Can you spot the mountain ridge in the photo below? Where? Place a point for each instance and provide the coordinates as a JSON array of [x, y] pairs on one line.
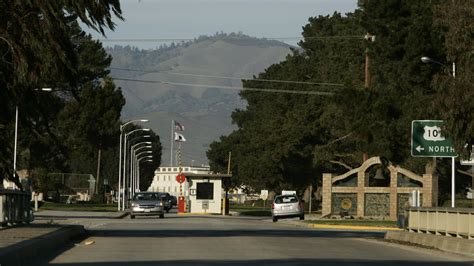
[[221, 60]]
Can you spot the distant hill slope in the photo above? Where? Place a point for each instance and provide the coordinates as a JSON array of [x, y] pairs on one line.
[[204, 111]]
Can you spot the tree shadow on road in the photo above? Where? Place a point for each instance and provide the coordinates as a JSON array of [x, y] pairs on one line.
[[319, 262]]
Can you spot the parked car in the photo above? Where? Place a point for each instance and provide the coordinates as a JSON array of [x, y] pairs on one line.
[[286, 206], [167, 200], [174, 201], [147, 204]]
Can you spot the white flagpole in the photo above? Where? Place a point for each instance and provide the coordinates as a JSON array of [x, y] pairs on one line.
[[172, 140]]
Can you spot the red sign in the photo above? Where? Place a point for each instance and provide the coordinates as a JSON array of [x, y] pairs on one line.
[[181, 178]]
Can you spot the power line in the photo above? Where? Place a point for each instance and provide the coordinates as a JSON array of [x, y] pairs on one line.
[[322, 93], [224, 38], [233, 78]]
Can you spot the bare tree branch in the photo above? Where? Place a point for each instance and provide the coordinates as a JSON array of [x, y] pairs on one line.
[[341, 164], [465, 173]]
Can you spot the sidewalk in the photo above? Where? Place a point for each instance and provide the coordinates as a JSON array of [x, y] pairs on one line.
[[20, 244]]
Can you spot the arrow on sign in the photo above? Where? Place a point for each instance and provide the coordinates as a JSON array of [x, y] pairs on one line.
[[419, 148]]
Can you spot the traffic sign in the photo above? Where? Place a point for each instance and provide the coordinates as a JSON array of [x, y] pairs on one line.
[[471, 159], [180, 178], [427, 140], [264, 194]]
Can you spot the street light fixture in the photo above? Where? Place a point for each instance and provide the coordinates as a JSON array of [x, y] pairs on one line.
[[125, 158], [125, 187], [15, 145], [122, 128], [135, 148], [428, 60], [138, 169], [133, 159]]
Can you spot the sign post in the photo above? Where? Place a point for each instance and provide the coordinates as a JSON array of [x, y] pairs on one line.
[[471, 163], [264, 196], [181, 178], [427, 140]]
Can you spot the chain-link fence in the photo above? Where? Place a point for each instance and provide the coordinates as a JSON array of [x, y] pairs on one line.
[[77, 187]]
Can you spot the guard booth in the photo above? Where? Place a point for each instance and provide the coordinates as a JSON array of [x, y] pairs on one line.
[[205, 192]]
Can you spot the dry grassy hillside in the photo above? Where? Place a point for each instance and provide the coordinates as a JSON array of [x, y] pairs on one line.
[[205, 111]]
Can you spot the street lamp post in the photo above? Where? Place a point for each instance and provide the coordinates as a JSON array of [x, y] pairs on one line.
[[125, 160], [428, 60], [132, 167], [15, 145], [122, 128], [148, 143], [137, 187], [138, 168]]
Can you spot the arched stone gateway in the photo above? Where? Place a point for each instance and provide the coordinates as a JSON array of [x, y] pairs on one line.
[[354, 194]]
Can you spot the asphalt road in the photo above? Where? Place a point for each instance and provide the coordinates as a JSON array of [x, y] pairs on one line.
[[214, 240]]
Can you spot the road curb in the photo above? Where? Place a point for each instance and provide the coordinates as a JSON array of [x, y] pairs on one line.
[[455, 245], [195, 214], [26, 251], [123, 215], [354, 227], [341, 227]]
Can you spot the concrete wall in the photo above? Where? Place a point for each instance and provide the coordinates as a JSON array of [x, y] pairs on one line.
[[429, 189], [449, 244]]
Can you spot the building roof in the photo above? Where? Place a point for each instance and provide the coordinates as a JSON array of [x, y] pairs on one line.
[[208, 175]]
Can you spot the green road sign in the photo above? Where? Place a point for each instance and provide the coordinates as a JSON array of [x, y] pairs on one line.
[[428, 141]]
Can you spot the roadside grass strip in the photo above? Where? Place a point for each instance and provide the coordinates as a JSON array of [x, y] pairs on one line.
[[78, 207], [353, 224]]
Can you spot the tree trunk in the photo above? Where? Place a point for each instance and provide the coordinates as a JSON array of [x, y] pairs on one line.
[[98, 173]]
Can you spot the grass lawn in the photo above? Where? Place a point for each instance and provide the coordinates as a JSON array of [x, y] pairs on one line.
[[356, 222], [78, 207], [254, 212], [251, 211], [460, 203]]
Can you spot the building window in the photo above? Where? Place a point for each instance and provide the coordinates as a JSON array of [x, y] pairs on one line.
[[175, 169], [186, 169], [205, 191]]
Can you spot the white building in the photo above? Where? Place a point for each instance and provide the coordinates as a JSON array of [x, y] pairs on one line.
[[165, 179], [202, 190]]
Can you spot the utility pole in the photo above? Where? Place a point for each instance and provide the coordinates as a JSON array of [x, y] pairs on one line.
[[371, 38], [472, 185], [310, 196], [228, 163], [98, 171], [224, 206]]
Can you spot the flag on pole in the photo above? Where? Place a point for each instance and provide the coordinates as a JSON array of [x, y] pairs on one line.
[[178, 126], [179, 137]]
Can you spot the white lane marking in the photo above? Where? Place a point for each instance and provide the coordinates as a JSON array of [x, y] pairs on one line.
[[97, 225]]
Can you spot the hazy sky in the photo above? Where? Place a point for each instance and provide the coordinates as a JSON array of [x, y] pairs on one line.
[[155, 19]]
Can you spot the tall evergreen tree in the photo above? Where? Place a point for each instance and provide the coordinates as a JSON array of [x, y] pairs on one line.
[[39, 43], [455, 95], [281, 136]]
